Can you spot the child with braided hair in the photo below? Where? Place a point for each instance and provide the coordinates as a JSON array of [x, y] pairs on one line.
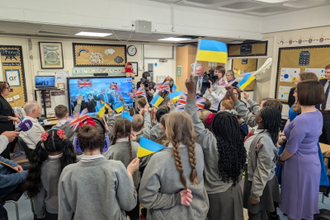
[[224, 156], [51, 155], [124, 149], [172, 186]]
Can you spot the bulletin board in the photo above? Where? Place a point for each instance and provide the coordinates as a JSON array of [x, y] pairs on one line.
[[12, 71], [91, 55], [246, 66], [257, 49], [293, 60]]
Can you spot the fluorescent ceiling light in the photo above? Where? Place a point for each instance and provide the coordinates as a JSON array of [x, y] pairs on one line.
[[272, 1], [175, 39], [93, 34]]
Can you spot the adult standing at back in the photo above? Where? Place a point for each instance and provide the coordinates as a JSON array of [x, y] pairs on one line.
[[301, 168], [230, 76], [200, 90], [325, 107], [216, 93], [7, 116]]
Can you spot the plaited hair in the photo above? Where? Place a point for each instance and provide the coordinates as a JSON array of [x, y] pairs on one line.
[[53, 143], [231, 151], [271, 118], [122, 129], [179, 129]]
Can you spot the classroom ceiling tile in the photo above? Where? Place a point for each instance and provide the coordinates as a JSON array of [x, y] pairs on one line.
[[241, 6]]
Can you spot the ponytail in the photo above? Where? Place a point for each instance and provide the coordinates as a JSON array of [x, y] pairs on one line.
[[68, 155], [130, 147], [32, 182]]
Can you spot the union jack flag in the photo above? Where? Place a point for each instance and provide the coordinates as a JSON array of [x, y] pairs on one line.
[[231, 83], [77, 118], [163, 87], [222, 82], [84, 83], [181, 103], [113, 86], [137, 93]]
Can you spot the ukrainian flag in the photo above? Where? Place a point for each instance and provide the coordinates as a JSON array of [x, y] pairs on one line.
[[174, 87], [101, 111], [148, 147], [157, 100], [247, 79], [126, 115], [175, 96], [212, 51], [119, 107]]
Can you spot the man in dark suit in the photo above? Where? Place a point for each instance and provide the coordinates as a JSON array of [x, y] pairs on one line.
[[200, 89], [106, 97], [325, 107]]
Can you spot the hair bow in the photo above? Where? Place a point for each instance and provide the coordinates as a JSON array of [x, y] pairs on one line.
[[88, 121], [61, 134], [210, 118], [44, 136]]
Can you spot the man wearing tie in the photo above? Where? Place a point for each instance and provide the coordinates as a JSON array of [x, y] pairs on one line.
[[325, 107], [199, 81]]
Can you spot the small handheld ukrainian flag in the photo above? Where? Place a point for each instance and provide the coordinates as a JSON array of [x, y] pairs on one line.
[[101, 111], [148, 147], [119, 107], [212, 51], [247, 79], [157, 100], [174, 87]]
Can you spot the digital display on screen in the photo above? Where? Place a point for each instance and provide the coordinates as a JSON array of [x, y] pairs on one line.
[[95, 89], [44, 81]]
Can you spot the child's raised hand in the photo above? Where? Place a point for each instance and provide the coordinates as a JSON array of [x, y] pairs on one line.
[[133, 166], [246, 96], [121, 99], [191, 84], [80, 98], [186, 197]]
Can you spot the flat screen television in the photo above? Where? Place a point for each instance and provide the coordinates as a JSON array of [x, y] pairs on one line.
[[95, 89], [44, 81]]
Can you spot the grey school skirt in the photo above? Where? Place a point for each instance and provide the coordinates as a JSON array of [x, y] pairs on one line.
[[269, 196], [226, 205]]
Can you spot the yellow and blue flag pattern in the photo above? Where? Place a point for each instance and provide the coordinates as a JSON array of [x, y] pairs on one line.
[[148, 147], [157, 100], [247, 79], [126, 115], [119, 107], [212, 51], [174, 87], [175, 96], [101, 111]]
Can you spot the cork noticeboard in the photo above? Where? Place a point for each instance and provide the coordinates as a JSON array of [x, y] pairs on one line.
[[293, 60], [91, 55], [11, 64], [246, 65]]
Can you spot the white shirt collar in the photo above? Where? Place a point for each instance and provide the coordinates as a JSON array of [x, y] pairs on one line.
[[86, 158], [55, 156]]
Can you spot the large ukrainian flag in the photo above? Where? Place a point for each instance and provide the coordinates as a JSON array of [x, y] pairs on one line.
[[212, 51]]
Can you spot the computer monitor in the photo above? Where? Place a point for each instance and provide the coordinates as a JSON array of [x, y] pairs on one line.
[[45, 81]]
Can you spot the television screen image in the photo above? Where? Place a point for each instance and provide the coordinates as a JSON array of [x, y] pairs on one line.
[[44, 81], [93, 90]]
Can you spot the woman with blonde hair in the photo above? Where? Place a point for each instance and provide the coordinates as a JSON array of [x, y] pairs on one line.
[[172, 186]]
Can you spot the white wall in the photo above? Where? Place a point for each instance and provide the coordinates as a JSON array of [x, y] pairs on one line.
[[308, 18], [120, 14], [273, 49], [31, 58]]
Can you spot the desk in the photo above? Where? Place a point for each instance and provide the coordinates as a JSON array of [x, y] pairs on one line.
[[50, 125], [324, 147]]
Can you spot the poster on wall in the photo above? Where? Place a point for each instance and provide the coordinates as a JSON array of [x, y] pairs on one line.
[[318, 71], [51, 55], [289, 74], [283, 92], [89, 55], [12, 71]]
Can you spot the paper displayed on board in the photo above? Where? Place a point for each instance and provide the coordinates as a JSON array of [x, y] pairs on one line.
[[9, 99], [283, 92], [289, 74], [61, 76], [16, 97], [318, 71]]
